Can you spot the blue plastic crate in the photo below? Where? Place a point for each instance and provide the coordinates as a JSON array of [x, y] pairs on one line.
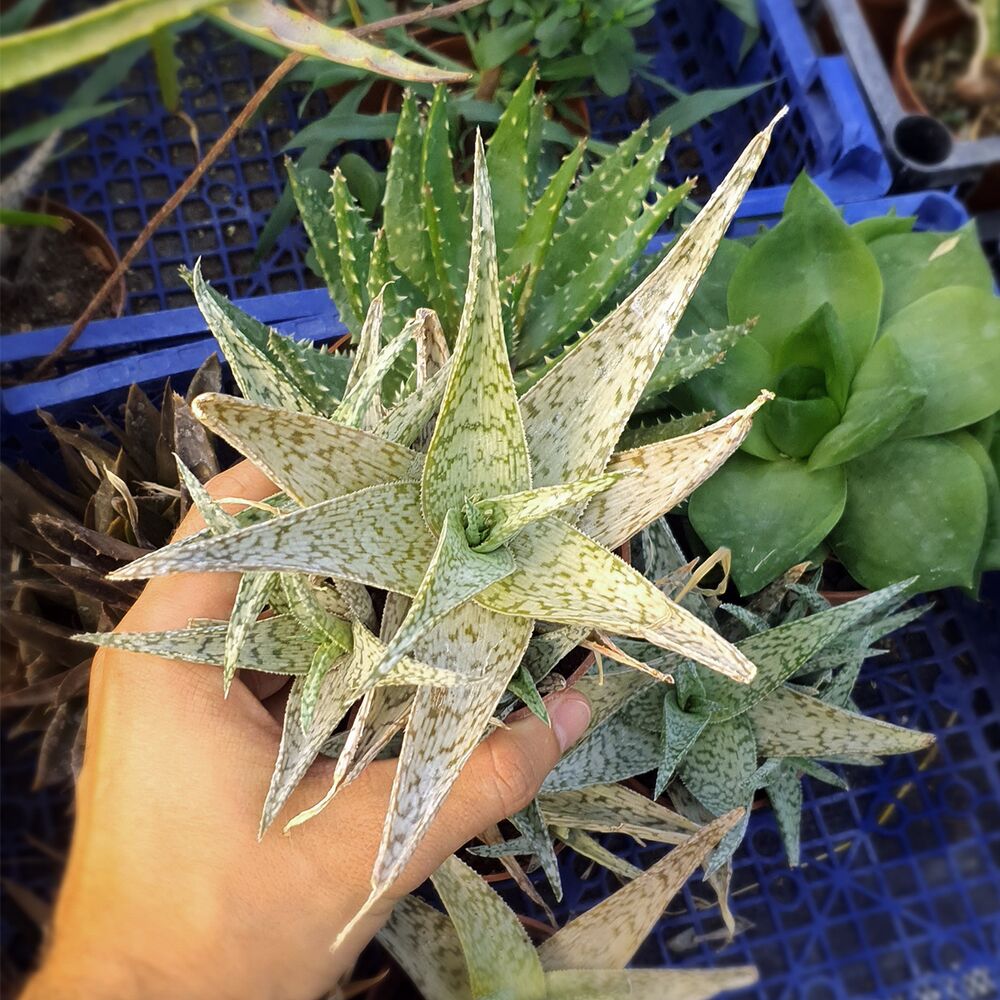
[[694, 44]]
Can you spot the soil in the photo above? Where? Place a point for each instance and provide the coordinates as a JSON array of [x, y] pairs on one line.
[[48, 279], [934, 67]]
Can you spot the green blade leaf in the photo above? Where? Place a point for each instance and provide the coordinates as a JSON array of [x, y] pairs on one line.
[[304, 454], [478, 444], [667, 472], [562, 576], [646, 984], [601, 379], [784, 791], [500, 957], [362, 405], [355, 242], [405, 423], [609, 934], [531, 824], [681, 730], [718, 769], [790, 724], [302, 33], [589, 848], [338, 538]]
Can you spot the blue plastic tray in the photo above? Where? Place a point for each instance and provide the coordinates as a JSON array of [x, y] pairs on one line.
[[134, 158]]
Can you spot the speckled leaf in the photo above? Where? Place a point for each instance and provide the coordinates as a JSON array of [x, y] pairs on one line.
[[406, 421], [609, 934], [425, 944], [345, 537], [718, 769], [274, 645], [311, 458], [680, 731], [323, 659], [478, 445], [665, 474], [445, 726], [303, 33], [781, 652], [574, 415], [354, 244], [587, 847], [784, 790], [646, 984], [653, 430], [370, 341], [319, 376], [523, 686], [251, 598], [454, 575], [614, 809], [563, 576], [362, 405], [790, 724], [507, 515], [531, 824], [501, 960], [215, 518]]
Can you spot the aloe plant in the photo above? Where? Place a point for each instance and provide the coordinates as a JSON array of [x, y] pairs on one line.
[[473, 540], [38, 52], [480, 950], [570, 243]]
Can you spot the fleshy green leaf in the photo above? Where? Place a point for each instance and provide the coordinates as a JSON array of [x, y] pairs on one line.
[[530, 823], [646, 984], [914, 508], [718, 769], [681, 730], [770, 514], [355, 241], [592, 850], [784, 790], [361, 406]]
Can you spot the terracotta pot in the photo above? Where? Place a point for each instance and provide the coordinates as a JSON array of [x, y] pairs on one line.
[[940, 19], [93, 242]]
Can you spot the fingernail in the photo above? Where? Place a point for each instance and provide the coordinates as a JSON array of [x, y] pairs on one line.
[[569, 712]]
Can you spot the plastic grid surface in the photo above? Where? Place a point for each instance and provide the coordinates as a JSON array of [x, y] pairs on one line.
[[134, 158], [898, 895], [695, 44]]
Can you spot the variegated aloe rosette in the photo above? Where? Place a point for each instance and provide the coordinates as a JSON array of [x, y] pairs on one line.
[[506, 520]]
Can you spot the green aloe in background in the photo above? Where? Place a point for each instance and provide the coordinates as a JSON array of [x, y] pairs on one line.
[[882, 346]]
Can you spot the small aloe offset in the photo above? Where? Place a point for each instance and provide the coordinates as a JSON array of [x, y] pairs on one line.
[[504, 520], [480, 951]]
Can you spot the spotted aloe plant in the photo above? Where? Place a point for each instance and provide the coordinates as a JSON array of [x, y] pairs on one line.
[[480, 950], [570, 242], [505, 519]]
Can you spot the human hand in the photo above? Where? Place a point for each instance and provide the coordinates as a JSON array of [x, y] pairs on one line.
[[167, 892]]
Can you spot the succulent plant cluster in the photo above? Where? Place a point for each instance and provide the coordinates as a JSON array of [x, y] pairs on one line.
[[507, 517]]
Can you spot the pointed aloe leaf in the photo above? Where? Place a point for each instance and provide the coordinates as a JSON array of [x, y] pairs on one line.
[[425, 944], [666, 473], [345, 537], [784, 790], [562, 576], [303, 33], [370, 341], [615, 809], [344, 682], [506, 516], [323, 659], [215, 518], [319, 376], [507, 160], [355, 240], [362, 405], [553, 318], [546, 649], [405, 423], [402, 206], [478, 445], [454, 575], [274, 645], [646, 984], [609, 934], [790, 724], [251, 598], [601, 379], [718, 769], [303, 454], [501, 960], [680, 731], [523, 686], [446, 229], [781, 652], [316, 210], [653, 430], [244, 341], [535, 235], [446, 726], [587, 847], [531, 824]]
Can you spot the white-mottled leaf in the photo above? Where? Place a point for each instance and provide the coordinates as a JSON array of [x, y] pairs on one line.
[[609, 934], [406, 421], [680, 730], [664, 474], [251, 598], [784, 790], [718, 769], [790, 724], [362, 405], [562, 576], [577, 411], [376, 537], [533, 828], [646, 984], [309, 457], [478, 447], [589, 848]]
